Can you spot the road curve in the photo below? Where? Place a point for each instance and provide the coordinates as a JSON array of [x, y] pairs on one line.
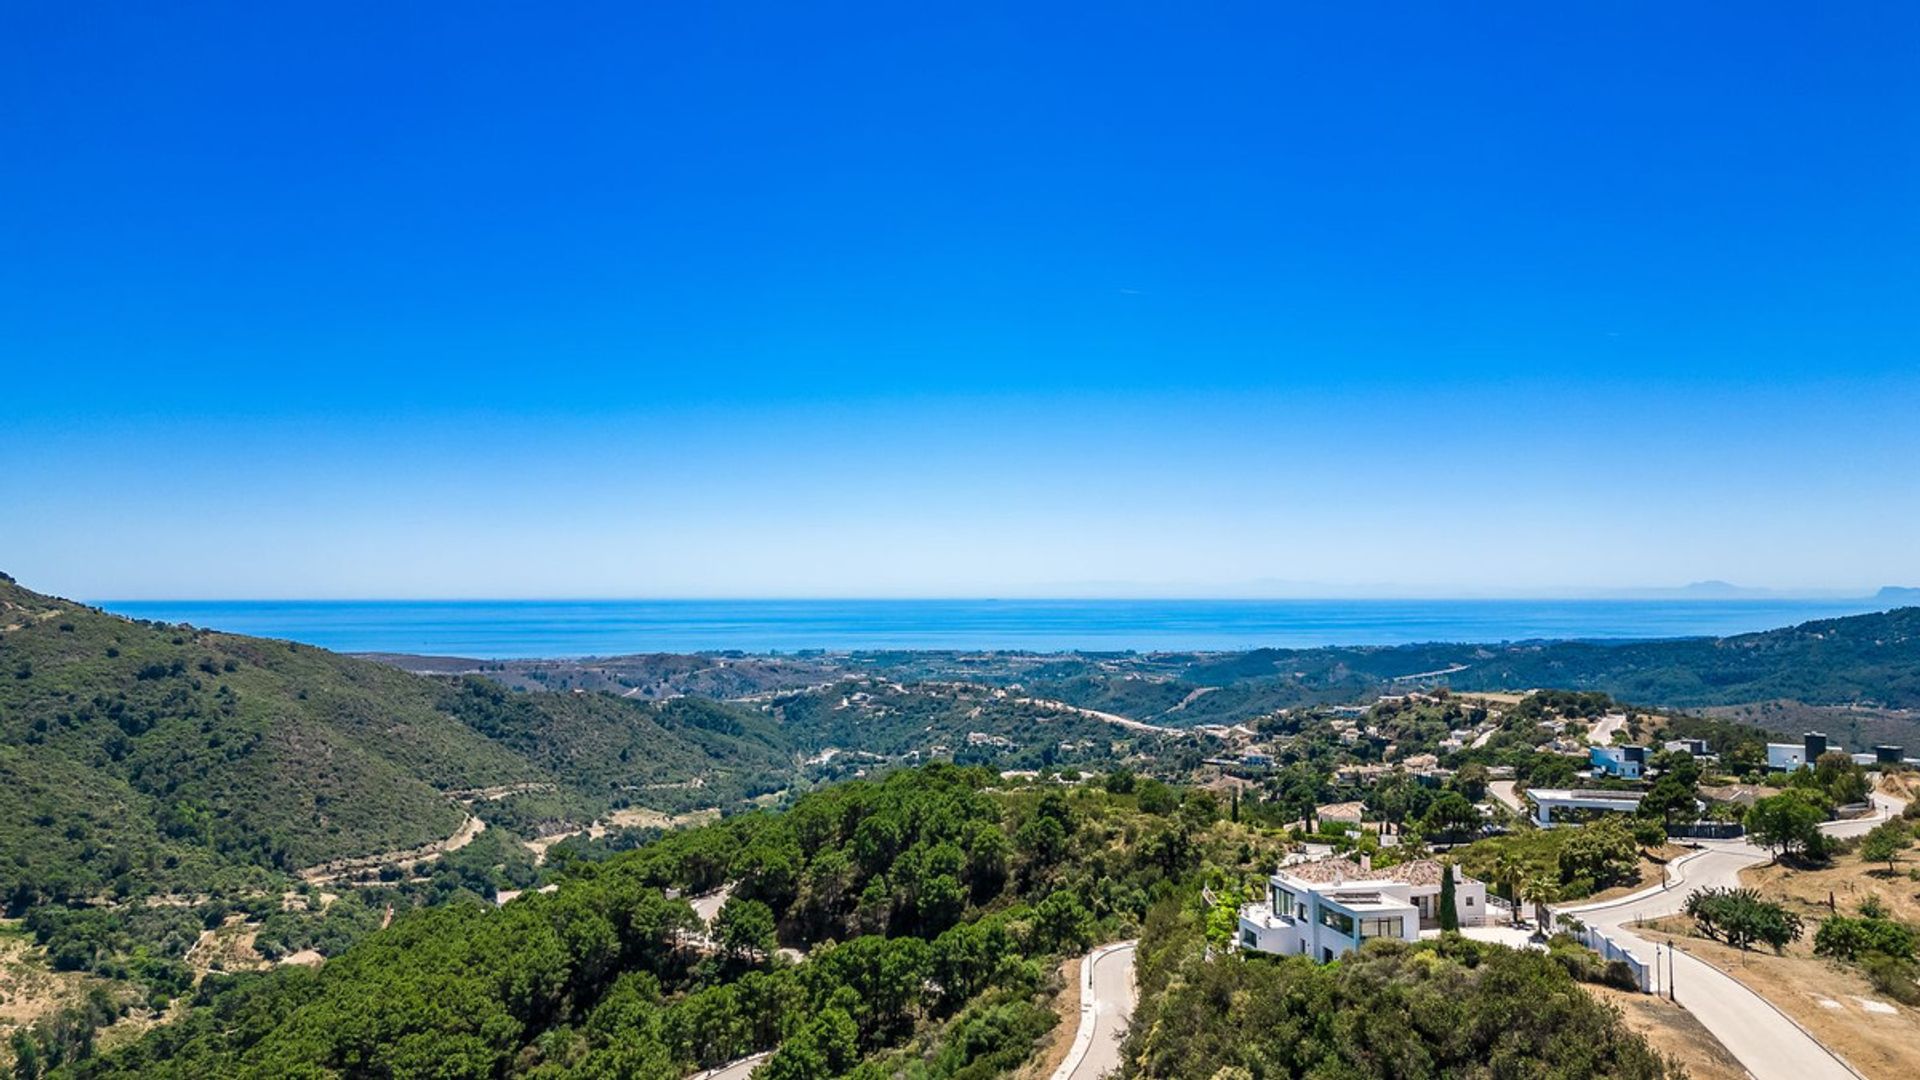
[[734, 1070], [1106, 1005], [1769, 1044]]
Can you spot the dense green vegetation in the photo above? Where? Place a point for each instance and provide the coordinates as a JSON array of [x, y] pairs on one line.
[[1391, 1010], [1740, 918], [156, 780], [929, 905], [1567, 863], [160, 782], [1861, 659], [137, 758], [872, 719]]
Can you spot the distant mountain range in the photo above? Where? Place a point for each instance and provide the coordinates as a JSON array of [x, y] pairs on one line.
[[1868, 660]]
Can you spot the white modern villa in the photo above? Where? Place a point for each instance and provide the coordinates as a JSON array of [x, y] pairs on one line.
[[1559, 806], [1324, 908]]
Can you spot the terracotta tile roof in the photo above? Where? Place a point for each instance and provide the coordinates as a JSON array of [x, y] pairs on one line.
[[1326, 871], [1416, 872]]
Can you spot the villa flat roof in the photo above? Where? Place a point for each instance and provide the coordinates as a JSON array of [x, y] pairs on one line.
[[1563, 794]]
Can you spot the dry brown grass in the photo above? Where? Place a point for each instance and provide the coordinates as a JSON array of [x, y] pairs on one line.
[[1905, 785], [30, 990], [1673, 1031], [1829, 998], [1849, 881], [1490, 697], [1825, 997]]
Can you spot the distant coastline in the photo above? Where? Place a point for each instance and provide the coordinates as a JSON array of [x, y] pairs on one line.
[[502, 629]]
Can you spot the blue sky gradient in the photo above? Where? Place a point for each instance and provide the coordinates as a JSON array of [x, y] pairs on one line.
[[863, 300]]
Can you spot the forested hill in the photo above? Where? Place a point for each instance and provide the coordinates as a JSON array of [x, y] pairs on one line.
[[1860, 659], [1869, 659], [140, 758]]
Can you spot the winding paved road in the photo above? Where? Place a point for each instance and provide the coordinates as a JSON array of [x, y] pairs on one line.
[[1769, 1045], [1765, 1040], [1106, 1005]]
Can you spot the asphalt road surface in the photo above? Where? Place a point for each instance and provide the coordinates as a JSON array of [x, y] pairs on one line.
[[1113, 1001], [1765, 1041]]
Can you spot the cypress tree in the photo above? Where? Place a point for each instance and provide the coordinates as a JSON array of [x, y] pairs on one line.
[[1449, 913]]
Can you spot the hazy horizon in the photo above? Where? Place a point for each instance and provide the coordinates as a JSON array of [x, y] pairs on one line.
[[1712, 591]]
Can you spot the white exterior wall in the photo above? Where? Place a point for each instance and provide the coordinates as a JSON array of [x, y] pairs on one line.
[[1547, 803], [1786, 756], [1469, 900], [1292, 921]]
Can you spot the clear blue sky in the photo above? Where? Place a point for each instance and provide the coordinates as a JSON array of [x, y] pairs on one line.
[[795, 299]]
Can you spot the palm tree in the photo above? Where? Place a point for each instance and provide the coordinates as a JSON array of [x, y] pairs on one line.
[[1507, 871], [1542, 889]]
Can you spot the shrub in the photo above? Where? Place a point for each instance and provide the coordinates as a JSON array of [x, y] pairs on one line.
[[1847, 938], [1894, 977], [1739, 917]]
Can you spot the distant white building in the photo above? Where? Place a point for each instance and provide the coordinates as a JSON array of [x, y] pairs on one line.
[[1786, 757], [1548, 802], [1325, 908]]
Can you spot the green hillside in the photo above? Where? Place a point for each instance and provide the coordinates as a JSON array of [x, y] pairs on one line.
[[140, 758], [926, 914]]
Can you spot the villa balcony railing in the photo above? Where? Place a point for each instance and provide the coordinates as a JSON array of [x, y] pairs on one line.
[[1263, 916]]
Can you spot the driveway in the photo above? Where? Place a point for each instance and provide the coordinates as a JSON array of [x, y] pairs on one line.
[[1503, 791]]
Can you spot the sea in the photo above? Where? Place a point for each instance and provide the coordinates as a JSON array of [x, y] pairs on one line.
[[500, 629]]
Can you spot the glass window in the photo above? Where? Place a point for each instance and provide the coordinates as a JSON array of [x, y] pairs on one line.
[[1380, 927], [1337, 920]]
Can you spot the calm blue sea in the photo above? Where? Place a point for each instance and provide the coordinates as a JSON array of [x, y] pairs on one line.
[[492, 629]]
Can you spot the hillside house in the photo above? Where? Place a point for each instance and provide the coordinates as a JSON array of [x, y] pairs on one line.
[[1325, 908]]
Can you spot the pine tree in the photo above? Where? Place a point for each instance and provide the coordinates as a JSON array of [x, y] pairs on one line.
[[1449, 912]]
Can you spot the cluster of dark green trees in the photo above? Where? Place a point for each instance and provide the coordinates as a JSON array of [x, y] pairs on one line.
[[929, 908], [1740, 918], [1391, 1010]]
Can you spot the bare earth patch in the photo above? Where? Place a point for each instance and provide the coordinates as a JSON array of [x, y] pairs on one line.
[[1673, 1031], [29, 988], [1053, 1046], [634, 817], [637, 817]]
